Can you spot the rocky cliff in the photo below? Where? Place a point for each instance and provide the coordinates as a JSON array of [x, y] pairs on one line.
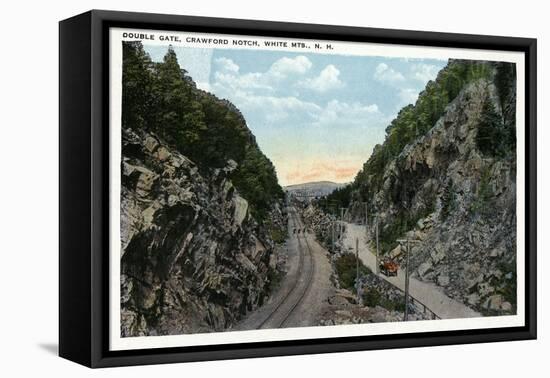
[[193, 258], [200, 205], [454, 191]]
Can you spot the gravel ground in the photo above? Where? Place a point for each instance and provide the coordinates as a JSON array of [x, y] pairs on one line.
[[305, 309]]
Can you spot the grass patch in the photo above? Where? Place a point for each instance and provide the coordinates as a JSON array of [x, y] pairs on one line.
[[278, 235], [274, 278], [507, 287], [346, 268], [373, 298]]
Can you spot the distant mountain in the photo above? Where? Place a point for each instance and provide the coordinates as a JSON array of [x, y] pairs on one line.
[[313, 189]]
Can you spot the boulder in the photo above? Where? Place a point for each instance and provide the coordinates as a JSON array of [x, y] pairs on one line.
[[339, 300], [145, 181], [496, 252], [419, 235], [473, 299], [437, 254], [443, 280], [241, 210], [150, 143], [162, 154], [484, 288], [421, 223], [343, 313], [246, 263], [494, 302], [425, 268], [506, 306], [397, 251], [230, 166]]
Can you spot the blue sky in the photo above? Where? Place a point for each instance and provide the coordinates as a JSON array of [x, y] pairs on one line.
[[316, 116]]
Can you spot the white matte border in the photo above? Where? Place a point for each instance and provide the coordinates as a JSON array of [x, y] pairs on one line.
[[339, 48]]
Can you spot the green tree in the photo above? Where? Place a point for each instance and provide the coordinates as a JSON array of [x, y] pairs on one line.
[[257, 181], [346, 268], [505, 81], [490, 138], [137, 87], [339, 198], [180, 119], [161, 98], [227, 135]]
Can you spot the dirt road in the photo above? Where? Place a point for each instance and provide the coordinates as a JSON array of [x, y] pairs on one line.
[[428, 293]]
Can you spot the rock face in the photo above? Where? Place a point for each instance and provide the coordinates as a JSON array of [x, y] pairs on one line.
[[193, 259], [321, 224], [458, 203]]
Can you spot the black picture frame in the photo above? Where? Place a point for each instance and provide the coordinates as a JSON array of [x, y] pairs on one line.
[[84, 192]]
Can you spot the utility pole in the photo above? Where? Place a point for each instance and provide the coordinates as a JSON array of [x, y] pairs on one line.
[[407, 284], [366, 216], [341, 228], [407, 272], [357, 283], [332, 231], [377, 247], [333, 213]]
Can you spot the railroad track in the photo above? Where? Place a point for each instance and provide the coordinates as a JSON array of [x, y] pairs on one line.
[[292, 299]]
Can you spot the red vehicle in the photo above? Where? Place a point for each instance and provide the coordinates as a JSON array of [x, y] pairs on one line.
[[389, 267]]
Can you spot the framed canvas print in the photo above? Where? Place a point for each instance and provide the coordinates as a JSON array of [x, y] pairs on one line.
[[234, 188]]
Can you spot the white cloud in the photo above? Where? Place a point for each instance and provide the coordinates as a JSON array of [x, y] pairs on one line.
[[284, 70], [288, 66], [205, 86], [424, 72], [227, 65], [228, 76], [279, 107], [408, 96], [342, 114], [333, 129], [231, 82], [328, 79], [261, 98], [384, 73]]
